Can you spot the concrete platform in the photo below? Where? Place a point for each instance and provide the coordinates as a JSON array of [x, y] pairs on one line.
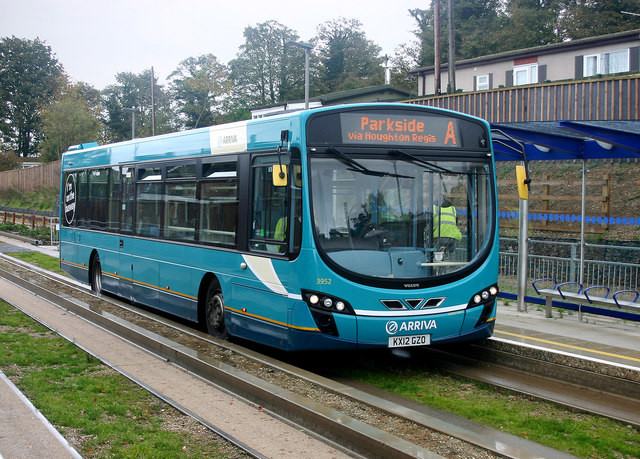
[[599, 338]]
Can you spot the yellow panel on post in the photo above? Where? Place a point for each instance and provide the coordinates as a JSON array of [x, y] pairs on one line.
[[521, 178]]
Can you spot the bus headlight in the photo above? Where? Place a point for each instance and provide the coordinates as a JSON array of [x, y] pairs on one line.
[[326, 303], [323, 308], [484, 296], [487, 299]]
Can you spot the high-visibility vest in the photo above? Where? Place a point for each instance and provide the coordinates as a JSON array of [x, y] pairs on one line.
[[444, 223], [281, 229]]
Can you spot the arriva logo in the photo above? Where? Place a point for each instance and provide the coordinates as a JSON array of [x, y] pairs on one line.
[[392, 326]]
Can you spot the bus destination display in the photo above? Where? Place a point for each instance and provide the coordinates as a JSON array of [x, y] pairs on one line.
[[400, 130]]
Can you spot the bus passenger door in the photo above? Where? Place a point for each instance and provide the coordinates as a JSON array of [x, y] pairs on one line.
[[262, 292], [125, 272]]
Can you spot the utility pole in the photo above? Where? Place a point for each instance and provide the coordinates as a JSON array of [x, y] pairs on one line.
[[452, 50], [153, 104], [436, 45], [387, 70]]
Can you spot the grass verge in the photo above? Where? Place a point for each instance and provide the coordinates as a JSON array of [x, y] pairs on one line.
[[580, 434], [39, 259], [99, 411], [41, 199]]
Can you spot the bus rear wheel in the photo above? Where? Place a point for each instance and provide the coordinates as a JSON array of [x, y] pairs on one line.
[[96, 275], [214, 313]]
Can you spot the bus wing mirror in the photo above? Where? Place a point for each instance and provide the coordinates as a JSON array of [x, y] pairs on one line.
[[279, 175], [523, 182]]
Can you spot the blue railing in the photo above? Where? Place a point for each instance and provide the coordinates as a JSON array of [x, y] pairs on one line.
[[571, 218], [602, 266]]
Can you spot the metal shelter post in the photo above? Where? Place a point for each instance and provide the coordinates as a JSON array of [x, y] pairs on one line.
[[523, 251], [523, 192], [583, 211]]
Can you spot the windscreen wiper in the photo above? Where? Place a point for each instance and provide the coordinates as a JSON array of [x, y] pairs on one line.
[[357, 167], [433, 167]]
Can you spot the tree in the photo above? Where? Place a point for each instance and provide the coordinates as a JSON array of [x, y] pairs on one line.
[[589, 18], [522, 14], [73, 118], [267, 70], [29, 77], [9, 160], [198, 86], [347, 59], [134, 91], [424, 33], [406, 58], [480, 28]]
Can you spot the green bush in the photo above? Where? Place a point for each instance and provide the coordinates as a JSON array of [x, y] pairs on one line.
[[41, 233]]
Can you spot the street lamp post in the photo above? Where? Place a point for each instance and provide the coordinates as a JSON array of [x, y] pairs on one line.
[[307, 50], [133, 120]]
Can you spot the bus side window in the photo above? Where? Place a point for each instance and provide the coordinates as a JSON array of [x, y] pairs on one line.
[[114, 197], [180, 211], [218, 205], [98, 198], [149, 200], [82, 209], [128, 200]]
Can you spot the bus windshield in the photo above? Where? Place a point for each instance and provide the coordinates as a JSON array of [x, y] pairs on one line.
[[400, 216]]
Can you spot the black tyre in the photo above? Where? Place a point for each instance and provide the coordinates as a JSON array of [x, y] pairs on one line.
[[214, 313], [96, 275]]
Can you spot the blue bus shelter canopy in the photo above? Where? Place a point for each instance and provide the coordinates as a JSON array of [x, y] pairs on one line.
[[566, 140]]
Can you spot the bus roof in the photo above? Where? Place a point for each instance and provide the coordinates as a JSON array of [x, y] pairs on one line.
[[240, 136]]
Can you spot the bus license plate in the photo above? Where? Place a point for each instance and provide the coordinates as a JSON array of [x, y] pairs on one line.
[[414, 340]]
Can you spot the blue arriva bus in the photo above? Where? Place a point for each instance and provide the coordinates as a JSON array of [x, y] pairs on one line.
[[319, 229]]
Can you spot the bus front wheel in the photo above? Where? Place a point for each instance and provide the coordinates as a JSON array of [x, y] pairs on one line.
[[214, 313]]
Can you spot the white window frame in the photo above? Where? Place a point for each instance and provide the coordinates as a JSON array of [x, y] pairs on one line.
[[603, 63], [589, 69], [619, 53], [482, 82], [528, 71]]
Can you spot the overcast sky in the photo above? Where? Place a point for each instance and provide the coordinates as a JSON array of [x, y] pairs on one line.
[[95, 39]]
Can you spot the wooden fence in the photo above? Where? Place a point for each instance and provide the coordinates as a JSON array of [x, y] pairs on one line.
[[46, 175], [27, 219], [579, 100], [547, 203]]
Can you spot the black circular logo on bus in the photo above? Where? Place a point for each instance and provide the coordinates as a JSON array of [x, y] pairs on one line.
[[70, 199]]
